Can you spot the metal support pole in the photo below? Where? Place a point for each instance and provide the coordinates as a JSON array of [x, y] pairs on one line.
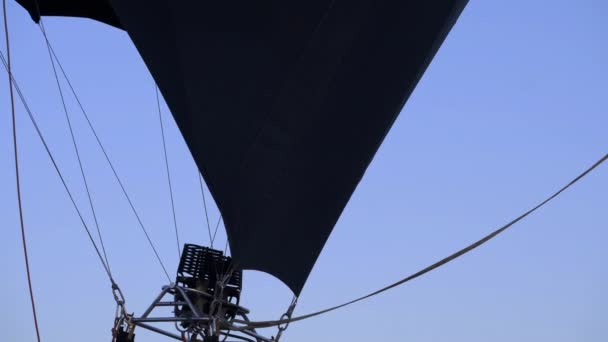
[[158, 330], [158, 299]]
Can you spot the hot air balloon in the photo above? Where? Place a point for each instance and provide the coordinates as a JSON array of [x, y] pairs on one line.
[[283, 105]]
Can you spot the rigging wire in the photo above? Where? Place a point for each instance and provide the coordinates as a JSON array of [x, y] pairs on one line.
[[84, 178], [118, 180], [162, 133], [451, 257], [219, 220], [48, 151], [16, 158], [200, 181]]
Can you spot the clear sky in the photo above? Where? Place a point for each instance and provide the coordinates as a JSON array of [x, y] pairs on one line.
[[513, 107]]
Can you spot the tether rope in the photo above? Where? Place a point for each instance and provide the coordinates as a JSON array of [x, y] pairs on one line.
[[16, 158], [162, 133], [84, 178], [103, 150], [474, 245]]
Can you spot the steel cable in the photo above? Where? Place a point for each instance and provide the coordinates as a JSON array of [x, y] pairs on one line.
[[48, 151], [219, 220], [200, 181], [84, 178], [162, 133], [105, 153]]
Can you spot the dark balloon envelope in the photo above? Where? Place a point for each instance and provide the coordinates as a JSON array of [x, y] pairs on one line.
[[283, 104]]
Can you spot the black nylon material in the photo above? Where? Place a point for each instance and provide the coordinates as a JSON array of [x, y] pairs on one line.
[[283, 104]]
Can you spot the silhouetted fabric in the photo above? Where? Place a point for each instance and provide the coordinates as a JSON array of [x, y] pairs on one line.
[[283, 104]]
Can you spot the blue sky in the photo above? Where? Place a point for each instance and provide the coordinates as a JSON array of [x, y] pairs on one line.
[[513, 107]]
